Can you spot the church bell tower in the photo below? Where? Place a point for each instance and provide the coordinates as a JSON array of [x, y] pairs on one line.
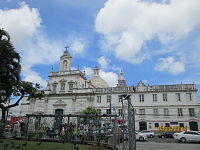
[[121, 80], [65, 62]]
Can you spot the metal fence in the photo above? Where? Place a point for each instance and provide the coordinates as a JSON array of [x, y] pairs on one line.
[[85, 129]]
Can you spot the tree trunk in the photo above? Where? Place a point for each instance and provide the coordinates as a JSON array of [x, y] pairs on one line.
[[7, 111], [3, 120], [4, 109], [3, 117]]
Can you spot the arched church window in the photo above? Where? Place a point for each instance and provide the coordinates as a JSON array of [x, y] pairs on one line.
[[64, 65]]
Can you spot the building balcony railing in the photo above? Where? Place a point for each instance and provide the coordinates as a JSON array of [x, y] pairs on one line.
[[114, 90], [177, 87], [131, 89], [154, 88], [66, 73]]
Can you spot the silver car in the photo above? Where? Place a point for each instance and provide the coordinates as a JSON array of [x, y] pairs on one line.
[[147, 133], [140, 137], [187, 136]]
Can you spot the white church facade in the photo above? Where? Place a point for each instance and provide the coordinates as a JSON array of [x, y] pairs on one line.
[[69, 92]]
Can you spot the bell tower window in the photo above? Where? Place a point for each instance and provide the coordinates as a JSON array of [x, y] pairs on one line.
[[65, 65], [65, 62]]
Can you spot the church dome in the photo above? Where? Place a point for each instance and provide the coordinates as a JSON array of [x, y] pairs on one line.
[[97, 81]]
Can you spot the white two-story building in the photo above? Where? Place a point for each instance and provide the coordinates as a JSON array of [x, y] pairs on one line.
[[69, 92]]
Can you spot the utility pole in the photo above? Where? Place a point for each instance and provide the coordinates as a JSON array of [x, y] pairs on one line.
[[110, 109], [123, 142], [110, 105], [131, 124], [131, 127]]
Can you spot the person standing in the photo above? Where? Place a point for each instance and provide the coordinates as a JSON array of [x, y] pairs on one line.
[[63, 134], [75, 133]]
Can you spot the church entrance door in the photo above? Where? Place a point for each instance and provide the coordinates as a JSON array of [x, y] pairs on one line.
[[58, 118]]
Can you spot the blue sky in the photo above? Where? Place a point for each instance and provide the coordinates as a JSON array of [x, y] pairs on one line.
[[156, 41]]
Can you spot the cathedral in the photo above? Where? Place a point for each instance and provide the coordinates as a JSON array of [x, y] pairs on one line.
[[70, 92]]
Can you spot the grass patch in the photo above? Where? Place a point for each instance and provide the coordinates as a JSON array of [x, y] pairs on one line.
[[32, 145]]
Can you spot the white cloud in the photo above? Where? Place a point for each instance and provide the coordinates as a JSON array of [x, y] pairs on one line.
[[170, 65], [24, 26], [41, 51], [128, 24], [110, 77], [103, 61], [21, 23], [77, 46], [32, 76], [116, 68], [88, 71]]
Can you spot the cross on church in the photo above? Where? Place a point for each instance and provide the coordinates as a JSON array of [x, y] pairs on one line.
[[66, 47]]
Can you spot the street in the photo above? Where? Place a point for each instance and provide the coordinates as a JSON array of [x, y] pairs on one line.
[[167, 146], [156, 143]]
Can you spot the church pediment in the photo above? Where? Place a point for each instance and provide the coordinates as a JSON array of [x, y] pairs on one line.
[[63, 80], [60, 103], [71, 81], [55, 82]]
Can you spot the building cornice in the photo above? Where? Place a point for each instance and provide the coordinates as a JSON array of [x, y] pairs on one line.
[[178, 105]]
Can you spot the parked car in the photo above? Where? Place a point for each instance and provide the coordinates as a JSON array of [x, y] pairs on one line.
[[187, 136], [166, 134], [147, 133], [140, 137]]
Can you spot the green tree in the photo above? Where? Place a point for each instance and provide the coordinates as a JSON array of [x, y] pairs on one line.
[[90, 110], [10, 82], [9, 66]]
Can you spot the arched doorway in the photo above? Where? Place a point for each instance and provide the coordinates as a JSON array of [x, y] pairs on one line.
[[193, 125], [58, 118], [142, 125]]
